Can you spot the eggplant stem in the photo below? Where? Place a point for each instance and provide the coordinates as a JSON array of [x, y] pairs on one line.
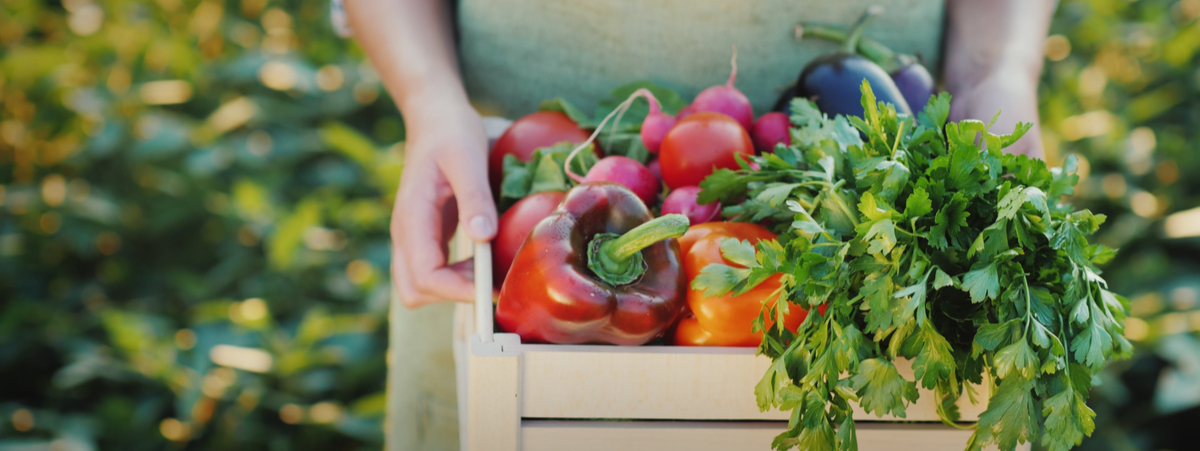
[[870, 48], [856, 31]]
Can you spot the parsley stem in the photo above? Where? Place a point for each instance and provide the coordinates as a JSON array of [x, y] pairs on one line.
[[899, 132], [1028, 304], [777, 295]]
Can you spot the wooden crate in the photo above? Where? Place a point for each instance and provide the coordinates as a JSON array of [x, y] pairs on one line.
[[591, 397]]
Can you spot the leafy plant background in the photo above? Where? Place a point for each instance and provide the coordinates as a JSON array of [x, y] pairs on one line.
[[194, 199]]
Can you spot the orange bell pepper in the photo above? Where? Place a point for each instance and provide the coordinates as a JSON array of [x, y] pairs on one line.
[[724, 320]]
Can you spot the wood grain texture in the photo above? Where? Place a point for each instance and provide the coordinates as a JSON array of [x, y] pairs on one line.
[[546, 435], [667, 383], [493, 399]]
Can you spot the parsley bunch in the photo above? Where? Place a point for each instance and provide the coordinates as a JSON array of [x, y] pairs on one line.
[[926, 242]]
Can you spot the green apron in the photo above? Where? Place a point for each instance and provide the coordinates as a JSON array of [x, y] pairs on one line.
[[516, 53]]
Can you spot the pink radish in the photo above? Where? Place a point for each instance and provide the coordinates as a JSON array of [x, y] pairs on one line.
[[725, 99], [683, 201], [628, 172], [656, 125], [685, 112], [655, 168], [770, 129], [618, 169]]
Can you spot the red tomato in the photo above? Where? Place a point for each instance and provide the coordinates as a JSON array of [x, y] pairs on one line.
[[541, 129], [515, 225], [698, 144]]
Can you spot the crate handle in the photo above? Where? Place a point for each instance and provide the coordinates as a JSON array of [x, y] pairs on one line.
[[483, 291]]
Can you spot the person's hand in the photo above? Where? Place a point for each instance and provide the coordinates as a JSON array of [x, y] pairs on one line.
[[444, 179], [1011, 92]]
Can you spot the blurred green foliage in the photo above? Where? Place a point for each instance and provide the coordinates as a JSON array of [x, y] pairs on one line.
[[194, 199], [1120, 90]]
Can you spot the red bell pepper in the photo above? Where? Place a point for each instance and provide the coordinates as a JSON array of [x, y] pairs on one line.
[[725, 320], [600, 269]]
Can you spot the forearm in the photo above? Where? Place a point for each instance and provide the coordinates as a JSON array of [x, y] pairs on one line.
[[988, 36], [411, 44]]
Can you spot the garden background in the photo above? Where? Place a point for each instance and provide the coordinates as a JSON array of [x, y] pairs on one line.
[[194, 200]]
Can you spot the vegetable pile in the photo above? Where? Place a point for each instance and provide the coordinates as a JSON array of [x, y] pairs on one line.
[[925, 243], [855, 234]]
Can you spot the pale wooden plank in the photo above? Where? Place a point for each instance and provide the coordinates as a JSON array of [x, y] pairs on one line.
[[492, 403], [666, 383], [547, 435]]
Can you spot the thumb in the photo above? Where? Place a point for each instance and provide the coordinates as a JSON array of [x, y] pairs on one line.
[[469, 180]]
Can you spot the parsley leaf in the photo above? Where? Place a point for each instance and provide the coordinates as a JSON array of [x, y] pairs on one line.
[[1068, 419], [871, 212], [881, 388]]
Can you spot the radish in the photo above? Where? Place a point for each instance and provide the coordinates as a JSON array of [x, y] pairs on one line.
[[655, 168], [725, 99], [627, 172], [686, 111], [624, 170], [770, 129], [656, 125], [683, 201]]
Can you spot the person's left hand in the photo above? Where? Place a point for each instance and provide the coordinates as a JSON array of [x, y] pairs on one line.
[[1011, 92]]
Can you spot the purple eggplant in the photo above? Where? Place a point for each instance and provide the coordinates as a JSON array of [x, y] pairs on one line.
[[834, 81], [911, 78], [915, 83]]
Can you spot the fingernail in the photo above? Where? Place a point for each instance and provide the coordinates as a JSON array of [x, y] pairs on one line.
[[481, 228]]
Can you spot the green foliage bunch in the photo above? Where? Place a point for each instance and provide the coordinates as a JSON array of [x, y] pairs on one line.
[[193, 226], [1119, 92], [923, 242]]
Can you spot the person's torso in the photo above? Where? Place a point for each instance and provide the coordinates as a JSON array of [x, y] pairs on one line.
[[516, 53]]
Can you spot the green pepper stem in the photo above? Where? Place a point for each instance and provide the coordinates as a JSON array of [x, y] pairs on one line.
[[617, 260], [860, 25]]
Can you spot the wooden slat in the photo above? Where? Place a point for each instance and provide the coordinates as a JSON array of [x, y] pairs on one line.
[[493, 403], [546, 435], [674, 383]]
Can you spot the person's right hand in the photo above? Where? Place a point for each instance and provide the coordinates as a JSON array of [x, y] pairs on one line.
[[445, 178]]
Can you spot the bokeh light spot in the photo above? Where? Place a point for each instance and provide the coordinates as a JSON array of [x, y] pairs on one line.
[[1114, 185], [359, 271], [185, 339], [50, 222], [1058, 47], [277, 75], [330, 78], [291, 413], [54, 190], [1144, 204], [254, 309], [325, 412], [174, 430], [22, 420], [108, 243]]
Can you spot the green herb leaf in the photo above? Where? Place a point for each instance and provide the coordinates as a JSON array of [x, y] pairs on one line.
[[882, 389], [1068, 419]]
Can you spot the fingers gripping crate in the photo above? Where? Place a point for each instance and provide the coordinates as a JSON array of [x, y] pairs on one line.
[[534, 397]]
